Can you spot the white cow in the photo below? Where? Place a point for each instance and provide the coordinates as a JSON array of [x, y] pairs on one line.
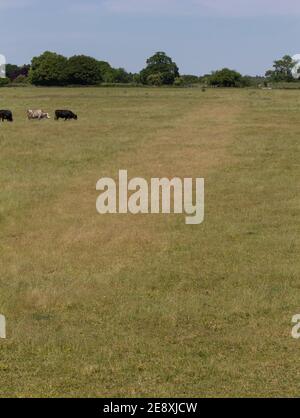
[[37, 114]]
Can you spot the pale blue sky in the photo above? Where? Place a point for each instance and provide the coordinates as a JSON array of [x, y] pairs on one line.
[[200, 35]]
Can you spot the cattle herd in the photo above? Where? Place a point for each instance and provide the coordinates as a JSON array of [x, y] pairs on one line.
[[39, 114]]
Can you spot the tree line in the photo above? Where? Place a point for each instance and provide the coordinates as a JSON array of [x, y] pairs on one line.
[[52, 69]]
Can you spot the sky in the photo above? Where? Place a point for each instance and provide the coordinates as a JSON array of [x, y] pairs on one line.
[[200, 35]]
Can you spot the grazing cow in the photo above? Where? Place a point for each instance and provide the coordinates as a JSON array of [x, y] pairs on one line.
[[6, 115], [65, 114], [37, 114]]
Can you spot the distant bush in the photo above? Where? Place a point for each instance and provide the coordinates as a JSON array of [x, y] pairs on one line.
[[21, 79], [52, 69], [225, 78], [256, 81], [83, 70], [4, 82], [14, 71], [117, 75], [49, 69], [282, 70], [190, 79], [179, 82], [160, 70], [246, 81], [155, 79]]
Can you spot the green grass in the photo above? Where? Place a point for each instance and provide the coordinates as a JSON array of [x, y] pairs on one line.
[[123, 305]]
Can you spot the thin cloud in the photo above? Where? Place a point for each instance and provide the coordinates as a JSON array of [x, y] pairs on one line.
[[205, 8]]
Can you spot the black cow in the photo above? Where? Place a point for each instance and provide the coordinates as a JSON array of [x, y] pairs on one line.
[[6, 115], [65, 114]]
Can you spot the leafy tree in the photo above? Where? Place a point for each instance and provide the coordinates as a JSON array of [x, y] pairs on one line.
[[282, 70], [14, 71], [225, 78], [204, 79], [136, 78], [162, 65], [117, 75], [252, 81], [155, 79], [11, 71], [106, 71], [179, 81], [83, 70], [105, 66], [23, 71], [247, 81], [49, 69], [121, 76], [190, 79]]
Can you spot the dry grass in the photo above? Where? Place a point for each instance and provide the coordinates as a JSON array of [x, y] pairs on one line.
[[145, 305]]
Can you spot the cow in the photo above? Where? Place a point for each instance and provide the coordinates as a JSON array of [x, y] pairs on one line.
[[65, 114], [6, 115], [37, 114]]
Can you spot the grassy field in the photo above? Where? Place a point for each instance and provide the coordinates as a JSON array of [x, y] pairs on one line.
[[123, 305]]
